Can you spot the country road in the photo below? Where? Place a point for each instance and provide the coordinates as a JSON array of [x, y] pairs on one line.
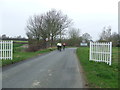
[[52, 70]]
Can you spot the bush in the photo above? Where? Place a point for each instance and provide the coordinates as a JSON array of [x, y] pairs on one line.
[[35, 45]]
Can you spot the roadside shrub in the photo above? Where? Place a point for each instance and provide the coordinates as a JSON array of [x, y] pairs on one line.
[[35, 45]]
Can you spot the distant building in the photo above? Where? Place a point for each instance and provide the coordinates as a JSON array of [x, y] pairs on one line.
[[83, 43]]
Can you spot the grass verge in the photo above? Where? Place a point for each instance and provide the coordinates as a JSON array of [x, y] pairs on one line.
[[20, 41], [19, 54], [99, 75]]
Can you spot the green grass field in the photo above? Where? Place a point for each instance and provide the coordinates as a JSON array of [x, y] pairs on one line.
[[98, 74], [20, 54], [20, 41]]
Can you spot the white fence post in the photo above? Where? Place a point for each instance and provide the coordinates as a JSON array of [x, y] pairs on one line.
[[90, 52], [100, 52], [11, 50], [6, 49], [110, 53]]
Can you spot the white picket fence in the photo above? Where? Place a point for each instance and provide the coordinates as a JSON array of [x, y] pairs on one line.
[[101, 52], [6, 49]]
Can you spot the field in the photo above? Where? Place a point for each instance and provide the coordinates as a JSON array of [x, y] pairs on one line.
[[99, 75], [20, 54], [20, 41]]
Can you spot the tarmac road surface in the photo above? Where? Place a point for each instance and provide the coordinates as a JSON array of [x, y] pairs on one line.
[[52, 70]]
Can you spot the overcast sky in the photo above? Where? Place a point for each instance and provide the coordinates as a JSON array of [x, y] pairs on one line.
[[88, 15]]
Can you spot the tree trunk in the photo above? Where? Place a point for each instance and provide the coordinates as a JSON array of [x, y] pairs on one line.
[[51, 41]]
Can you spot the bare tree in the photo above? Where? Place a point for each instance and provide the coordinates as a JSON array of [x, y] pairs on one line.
[[36, 30], [74, 37], [86, 37], [36, 27], [56, 24], [115, 38], [47, 26], [74, 33], [106, 34]]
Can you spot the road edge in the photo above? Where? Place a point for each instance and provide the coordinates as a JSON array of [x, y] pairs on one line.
[[22, 61], [81, 71]]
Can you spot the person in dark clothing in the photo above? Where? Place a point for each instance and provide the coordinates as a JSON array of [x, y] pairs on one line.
[[64, 44]]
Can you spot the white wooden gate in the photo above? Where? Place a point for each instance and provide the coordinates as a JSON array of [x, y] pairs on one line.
[[6, 49], [101, 52]]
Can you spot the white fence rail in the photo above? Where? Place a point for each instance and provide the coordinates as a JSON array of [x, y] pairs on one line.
[[101, 52], [6, 49]]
